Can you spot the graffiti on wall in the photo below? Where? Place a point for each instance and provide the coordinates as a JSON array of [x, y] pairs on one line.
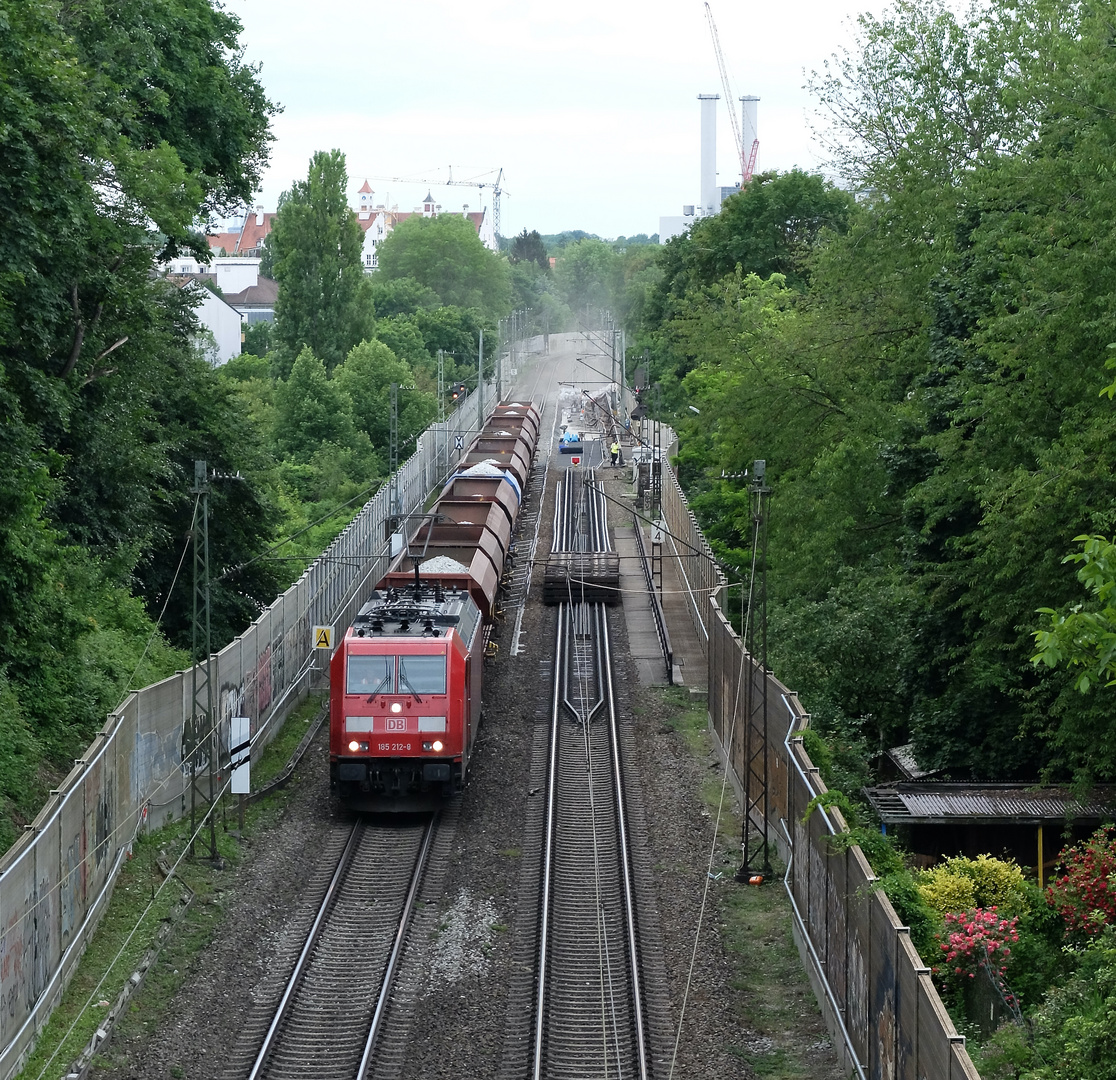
[[277, 660], [885, 1018], [157, 756], [263, 681], [23, 957], [103, 826], [71, 892]]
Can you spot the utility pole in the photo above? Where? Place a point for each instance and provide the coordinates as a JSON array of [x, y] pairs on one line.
[[480, 382], [754, 840], [201, 729], [613, 335], [441, 385], [623, 375], [393, 443], [499, 372]]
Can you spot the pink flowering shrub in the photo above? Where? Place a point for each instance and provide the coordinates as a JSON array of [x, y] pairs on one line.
[[1085, 893], [971, 940]]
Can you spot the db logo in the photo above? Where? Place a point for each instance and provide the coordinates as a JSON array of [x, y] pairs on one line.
[[575, 461]]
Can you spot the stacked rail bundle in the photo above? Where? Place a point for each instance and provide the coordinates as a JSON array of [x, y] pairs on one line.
[[582, 568]]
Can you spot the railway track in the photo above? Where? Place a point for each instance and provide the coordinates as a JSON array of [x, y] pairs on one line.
[[332, 1011], [589, 1010]]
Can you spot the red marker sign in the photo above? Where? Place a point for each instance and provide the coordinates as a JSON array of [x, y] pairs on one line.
[[575, 461]]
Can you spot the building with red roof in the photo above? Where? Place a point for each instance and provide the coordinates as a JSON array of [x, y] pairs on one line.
[[375, 219]]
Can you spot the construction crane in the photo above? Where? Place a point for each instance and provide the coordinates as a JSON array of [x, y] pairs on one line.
[[497, 191], [480, 185], [747, 164]]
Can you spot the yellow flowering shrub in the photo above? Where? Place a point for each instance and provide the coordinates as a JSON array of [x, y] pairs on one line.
[[946, 891], [960, 884]]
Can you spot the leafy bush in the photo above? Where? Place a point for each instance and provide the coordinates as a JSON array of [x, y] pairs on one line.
[[1085, 894], [900, 888], [19, 761], [945, 891], [973, 940], [1037, 960], [960, 884], [840, 753], [1074, 1030]]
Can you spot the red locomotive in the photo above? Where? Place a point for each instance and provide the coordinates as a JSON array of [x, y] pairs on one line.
[[405, 682]]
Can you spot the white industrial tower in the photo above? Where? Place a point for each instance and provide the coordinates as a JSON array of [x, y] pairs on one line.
[[710, 193]]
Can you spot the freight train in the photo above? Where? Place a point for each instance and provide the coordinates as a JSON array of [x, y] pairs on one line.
[[405, 681]]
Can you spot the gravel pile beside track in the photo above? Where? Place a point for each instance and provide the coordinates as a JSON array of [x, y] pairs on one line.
[[461, 1005]]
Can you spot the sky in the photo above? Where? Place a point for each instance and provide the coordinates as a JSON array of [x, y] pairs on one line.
[[589, 106]]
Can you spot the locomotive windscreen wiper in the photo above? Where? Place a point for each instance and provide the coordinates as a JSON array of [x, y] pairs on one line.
[[405, 682], [380, 685]]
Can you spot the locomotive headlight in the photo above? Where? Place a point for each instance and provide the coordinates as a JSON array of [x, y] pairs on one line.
[[437, 746], [396, 707], [354, 746]]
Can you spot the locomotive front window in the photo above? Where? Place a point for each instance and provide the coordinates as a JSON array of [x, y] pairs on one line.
[[370, 674], [423, 674]]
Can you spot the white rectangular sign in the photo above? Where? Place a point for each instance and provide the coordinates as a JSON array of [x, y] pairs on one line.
[[240, 745]]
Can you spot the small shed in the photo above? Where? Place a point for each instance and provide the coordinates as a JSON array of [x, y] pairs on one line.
[[1031, 824]]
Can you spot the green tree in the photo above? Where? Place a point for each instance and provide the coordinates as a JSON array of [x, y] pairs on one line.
[[257, 339], [401, 296], [401, 334], [311, 409], [1085, 638], [771, 227], [121, 125], [445, 254], [529, 247], [366, 377], [323, 302], [586, 275]]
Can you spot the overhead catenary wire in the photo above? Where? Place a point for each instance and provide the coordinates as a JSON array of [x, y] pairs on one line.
[[716, 824], [166, 603], [122, 829], [131, 934], [267, 554]]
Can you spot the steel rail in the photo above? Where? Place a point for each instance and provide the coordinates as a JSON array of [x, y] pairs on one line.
[[624, 847], [307, 950], [397, 949], [548, 849], [569, 516]]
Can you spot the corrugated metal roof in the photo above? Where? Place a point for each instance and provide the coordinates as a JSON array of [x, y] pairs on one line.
[[931, 802], [906, 762]]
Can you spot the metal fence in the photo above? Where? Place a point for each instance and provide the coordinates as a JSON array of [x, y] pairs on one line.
[[875, 991], [689, 546], [56, 880]]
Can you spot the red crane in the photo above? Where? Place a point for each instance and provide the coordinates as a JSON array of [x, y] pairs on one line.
[[747, 164]]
